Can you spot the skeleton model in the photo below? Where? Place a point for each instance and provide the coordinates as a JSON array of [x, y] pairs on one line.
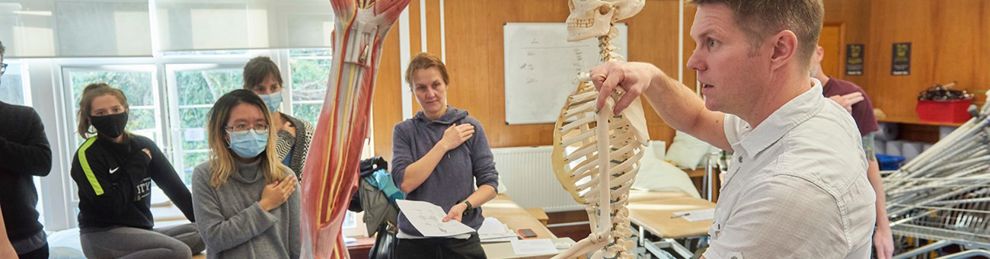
[[332, 165], [596, 155], [943, 194]]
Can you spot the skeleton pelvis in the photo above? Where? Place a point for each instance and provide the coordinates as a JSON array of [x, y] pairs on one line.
[[575, 156]]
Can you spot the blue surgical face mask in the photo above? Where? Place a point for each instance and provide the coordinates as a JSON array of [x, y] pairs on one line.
[[273, 100], [248, 143]]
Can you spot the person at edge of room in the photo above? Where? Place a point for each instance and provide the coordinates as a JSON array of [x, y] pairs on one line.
[[855, 101], [6, 248], [114, 170], [26, 154], [752, 61], [438, 156], [293, 135], [246, 201]]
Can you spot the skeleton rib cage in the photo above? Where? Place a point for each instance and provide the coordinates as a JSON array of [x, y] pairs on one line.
[[943, 194], [596, 154]]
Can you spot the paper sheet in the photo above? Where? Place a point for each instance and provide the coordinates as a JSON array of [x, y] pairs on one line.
[[533, 247], [696, 215], [428, 219], [492, 230]]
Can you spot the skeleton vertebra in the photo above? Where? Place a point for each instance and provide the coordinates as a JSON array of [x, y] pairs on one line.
[[331, 169], [596, 156]]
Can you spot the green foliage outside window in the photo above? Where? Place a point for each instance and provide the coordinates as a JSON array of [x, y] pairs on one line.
[[197, 91], [310, 72]]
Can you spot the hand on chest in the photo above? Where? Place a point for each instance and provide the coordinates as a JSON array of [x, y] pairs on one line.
[[129, 171]]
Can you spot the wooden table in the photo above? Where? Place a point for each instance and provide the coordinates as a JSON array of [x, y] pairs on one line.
[[515, 217], [510, 214], [653, 212], [502, 208], [539, 214]]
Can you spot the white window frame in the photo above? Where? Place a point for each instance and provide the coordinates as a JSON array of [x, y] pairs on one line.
[[111, 65], [61, 205], [176, 151]]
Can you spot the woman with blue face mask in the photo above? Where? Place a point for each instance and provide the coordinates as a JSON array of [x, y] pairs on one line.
[[233, 220], [292, 135], [114, 170]]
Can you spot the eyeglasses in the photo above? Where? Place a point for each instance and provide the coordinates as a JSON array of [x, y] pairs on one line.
[[245, 126], [3, 68]]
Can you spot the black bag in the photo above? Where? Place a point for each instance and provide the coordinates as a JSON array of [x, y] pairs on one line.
[[367, 167], [380, 213], [385, 243]]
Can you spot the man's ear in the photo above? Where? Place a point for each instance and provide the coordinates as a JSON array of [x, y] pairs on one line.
[[785, 48]]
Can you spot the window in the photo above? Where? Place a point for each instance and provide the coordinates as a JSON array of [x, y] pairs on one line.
[[196, 87], [12, 86], [309, 71], [138, 82], [173, 112]]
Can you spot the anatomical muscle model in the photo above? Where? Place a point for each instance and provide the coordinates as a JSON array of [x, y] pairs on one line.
[[331, 169]]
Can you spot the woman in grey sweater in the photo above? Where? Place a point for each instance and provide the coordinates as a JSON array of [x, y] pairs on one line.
[[234, 222], [441, 156]]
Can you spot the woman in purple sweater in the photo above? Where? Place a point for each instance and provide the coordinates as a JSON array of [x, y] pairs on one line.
[[438, 157]]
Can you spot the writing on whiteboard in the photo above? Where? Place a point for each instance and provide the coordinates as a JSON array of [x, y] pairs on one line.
[[541, 68]]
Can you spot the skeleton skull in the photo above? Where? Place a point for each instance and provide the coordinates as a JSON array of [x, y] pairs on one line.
[[593, 18]]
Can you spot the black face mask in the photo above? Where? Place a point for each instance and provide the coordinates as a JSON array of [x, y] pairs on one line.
[[109, 125]]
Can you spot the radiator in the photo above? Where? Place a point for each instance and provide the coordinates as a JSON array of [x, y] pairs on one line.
[[527, 174]]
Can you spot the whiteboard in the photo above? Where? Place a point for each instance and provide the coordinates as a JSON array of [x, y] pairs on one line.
[[541, 68]]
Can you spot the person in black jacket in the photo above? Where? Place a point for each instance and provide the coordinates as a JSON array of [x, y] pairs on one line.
[[25, 153], [114, 171], [6, 250]]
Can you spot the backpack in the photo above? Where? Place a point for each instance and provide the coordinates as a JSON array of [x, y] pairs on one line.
[[376, 196]]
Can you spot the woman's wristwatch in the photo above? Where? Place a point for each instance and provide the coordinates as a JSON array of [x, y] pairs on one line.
[[469, 206]]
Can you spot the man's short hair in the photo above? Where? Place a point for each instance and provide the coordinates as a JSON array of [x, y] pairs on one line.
[[762, 18], [3, 50]]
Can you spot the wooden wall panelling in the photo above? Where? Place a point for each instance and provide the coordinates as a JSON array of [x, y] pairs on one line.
[[416, 43], [948, 40], [983, 70], [831, 41], [653, 39], [889, 26], [690, 76], [958, 55], [853, 16], [386, 105], [474, 58], [414, 30], [433, 27]]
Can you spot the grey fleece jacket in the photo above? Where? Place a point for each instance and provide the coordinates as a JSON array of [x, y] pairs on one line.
[[234, 225], [455, 177]]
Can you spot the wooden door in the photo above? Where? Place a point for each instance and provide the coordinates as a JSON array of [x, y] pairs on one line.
[[831, 41]]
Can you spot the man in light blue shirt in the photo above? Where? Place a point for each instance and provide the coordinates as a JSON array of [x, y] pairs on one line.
[[795, 187]]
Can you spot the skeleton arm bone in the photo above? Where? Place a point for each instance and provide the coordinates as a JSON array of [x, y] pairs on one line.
[[593, 242]]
